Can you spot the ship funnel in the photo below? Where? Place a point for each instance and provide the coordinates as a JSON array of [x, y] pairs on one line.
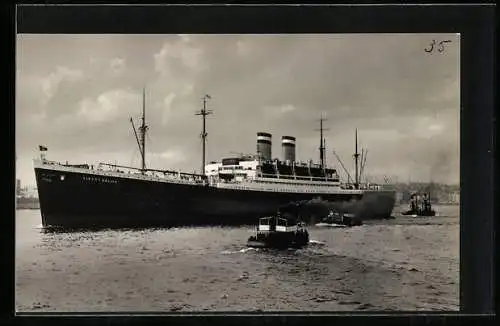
[[264, 145], [288, 146]]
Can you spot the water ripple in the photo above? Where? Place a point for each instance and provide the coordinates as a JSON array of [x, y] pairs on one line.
[[400, 264]]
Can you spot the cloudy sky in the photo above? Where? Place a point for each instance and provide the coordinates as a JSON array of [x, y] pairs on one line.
[[76, 93]]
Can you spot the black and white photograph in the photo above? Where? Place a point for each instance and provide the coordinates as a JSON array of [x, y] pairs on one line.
[[237, 172]]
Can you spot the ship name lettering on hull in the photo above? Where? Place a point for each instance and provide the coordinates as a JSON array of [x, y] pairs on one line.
[[99, 179]]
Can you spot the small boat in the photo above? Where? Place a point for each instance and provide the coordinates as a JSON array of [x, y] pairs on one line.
[[279, 233], [346, 219], [420, 205]]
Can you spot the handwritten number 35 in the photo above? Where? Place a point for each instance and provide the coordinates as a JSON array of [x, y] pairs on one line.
[[440, 46]]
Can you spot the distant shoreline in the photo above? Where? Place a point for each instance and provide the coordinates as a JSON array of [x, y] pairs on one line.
[[37, 206], [437, 204]]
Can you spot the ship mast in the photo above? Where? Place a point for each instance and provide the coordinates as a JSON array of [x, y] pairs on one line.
[[204, 112], [356, 159], [321, 142], [143, 130], [364, 152], [141, 139], [324, 150]]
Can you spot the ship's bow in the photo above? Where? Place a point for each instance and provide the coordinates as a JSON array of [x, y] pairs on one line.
[[376, 204]]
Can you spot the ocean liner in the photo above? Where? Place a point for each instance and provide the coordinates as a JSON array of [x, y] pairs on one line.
[[233, 191]]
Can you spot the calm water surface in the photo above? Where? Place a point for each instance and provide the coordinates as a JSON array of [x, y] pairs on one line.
[[400, 264]]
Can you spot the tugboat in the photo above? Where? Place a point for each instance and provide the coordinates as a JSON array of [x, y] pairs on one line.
[[279, 233], [420, 205]]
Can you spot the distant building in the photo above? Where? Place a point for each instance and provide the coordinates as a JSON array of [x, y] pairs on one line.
[[400, 197], [454, 197], [18, 186]]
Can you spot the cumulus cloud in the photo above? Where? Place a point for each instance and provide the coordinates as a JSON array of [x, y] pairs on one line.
[[404, 102], [167, 107], [168, 158], [117, 65], [107, 106], [51, 83], [182, 51], [278, 110]]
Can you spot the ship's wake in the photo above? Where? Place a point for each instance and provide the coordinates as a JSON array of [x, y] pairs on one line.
[[240, 251], [317, 243], [312, 243], [330, 225]]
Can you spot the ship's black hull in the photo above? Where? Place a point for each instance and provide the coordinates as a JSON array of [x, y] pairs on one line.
[[81, 200]]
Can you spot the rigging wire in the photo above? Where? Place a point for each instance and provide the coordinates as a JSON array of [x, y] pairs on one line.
[[133, 157], [200, 147], [148, 160], [135, 152]]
